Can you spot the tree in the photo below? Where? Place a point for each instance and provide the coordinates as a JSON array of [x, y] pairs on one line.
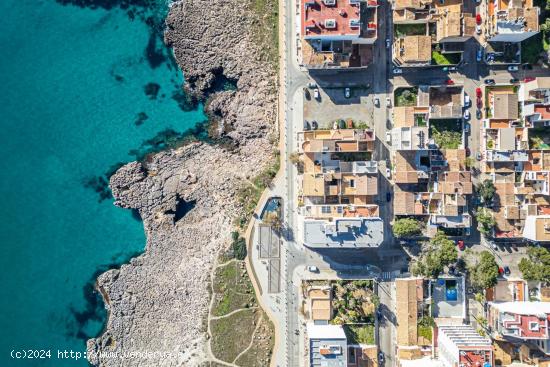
[[485, 220], [406, 227], [238, 246], [439, 253], [537, 265], [294, 158], [486, 190], [469, 162], [484, 273]]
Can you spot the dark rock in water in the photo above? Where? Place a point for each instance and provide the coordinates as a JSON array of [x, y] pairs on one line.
[[155, 55], [101, 186], [140, 118], [119, 78], [152, 90], [185, 101]]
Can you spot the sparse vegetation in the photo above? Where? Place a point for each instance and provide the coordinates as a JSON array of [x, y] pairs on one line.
[[227, 339], [266, 29], [413, 29], [424, 327], [232, 289], [353, 302]]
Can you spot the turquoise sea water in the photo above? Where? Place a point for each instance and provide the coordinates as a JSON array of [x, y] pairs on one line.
[[82, 89]]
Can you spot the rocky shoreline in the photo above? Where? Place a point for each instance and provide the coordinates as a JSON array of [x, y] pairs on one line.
[[187, 197]]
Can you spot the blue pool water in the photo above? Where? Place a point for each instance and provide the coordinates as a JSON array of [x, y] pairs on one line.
[[82, 88]]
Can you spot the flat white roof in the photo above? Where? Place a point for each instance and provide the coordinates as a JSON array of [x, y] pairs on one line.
[[421, 362], [325, 331], [523, 307]]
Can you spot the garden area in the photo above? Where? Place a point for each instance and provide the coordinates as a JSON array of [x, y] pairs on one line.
[[359, 333], [415, 29], [439, 58], [539, 138], [353, 302], [406, 96], [447, 133]]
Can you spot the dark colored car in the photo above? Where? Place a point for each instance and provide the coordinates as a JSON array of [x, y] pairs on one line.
[[468, 152], [460, 244], [507, 270], [478, 114], [490, 81], [381, 358], [388, 196], [514, 80]]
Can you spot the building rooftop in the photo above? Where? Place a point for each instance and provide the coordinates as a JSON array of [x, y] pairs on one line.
[[330, 18], [523, 307], [410, 291], [464, 336], [416, 49], [344, 233], [323, 332], [505, 106], [537, 228]]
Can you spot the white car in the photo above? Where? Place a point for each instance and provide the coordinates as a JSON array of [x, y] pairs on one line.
[[467, 101], [388, 173], [316, 93], [478, 29], [377, 101], [313, 269], [398, 71], [513, 68], [347, 93], [388, 137], [388, 43], [388, 102], [467, 115]]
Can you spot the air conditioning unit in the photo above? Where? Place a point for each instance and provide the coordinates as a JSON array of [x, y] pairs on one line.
[[354, 23], [330, 23], [329, 2]]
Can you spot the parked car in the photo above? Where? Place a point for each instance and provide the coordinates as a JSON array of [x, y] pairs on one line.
[[507, 270], [513, 68], [316, 93], [388, 173], [527, 80], [307, 126], [388, 196], [388, 43], [478, 114], [478, 29], [388, 102], [467, 126], [347, 92], [449, 82], [377, 101], [467, 100], [314, 125], [381, 358], [398, 71], [514, 80], [478, 19], [311, 85], [468, 152], [313, 269], [379, 314], [478, 92], [500, 270], [388, 137], [467, 115], [478, 156], [479, 55], [460, 245], [490, 81], [450, 68]]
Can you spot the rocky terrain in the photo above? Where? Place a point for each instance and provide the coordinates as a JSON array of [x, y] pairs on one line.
[[187, 197]]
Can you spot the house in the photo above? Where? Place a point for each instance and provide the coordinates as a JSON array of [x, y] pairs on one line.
[[339, 189], [320, 304], [423, 28], [508, 290], [461, 345], [537, 227], [337, 33], [448, 298], [328, 345], [521, 322]]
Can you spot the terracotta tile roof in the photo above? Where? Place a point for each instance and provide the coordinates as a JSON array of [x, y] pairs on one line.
[[417, 49], [403, 203], [506, 106]]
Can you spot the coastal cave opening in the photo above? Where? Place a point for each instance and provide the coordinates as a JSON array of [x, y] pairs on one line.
[[221, 82], [182, 208]]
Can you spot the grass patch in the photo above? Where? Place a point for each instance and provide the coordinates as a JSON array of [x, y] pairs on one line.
[[402, 30], [266, 29], [446, 133], [445, 59], [406, 96], [259, 354], [230, 335], [359, 333], [232, 289]]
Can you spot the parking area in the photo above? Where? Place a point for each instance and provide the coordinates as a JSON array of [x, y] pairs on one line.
[[332, 105]]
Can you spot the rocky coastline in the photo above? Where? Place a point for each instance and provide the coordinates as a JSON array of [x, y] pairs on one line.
[[187, 197]]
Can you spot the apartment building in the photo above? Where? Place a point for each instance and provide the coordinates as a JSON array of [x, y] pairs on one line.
[[461, 345], [423, 28], [521, 322], [337, 33], [339, 189]]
